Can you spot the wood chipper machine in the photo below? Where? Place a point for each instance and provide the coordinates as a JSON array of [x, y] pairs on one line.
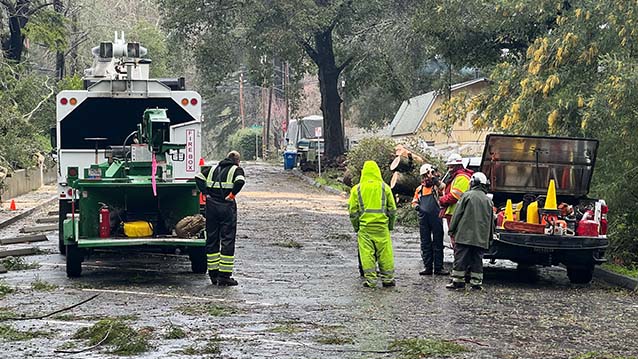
[[131, 200]]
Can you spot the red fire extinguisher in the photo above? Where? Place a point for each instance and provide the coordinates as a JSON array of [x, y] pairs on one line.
[[105, 222]]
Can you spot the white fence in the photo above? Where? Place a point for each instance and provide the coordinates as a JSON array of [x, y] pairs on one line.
[[25, 181]]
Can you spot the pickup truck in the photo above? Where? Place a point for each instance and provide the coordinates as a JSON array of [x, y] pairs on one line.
[[520, 169]]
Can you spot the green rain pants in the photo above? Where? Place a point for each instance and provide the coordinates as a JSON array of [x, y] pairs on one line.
[[375, 247]]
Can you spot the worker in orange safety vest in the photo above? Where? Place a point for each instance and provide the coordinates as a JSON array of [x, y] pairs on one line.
[[457, 181]]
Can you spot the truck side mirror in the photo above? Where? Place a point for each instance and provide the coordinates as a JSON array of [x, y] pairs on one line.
[[54, 139]]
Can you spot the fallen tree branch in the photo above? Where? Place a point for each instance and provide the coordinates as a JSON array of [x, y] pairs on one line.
[[53, 313], [28, 116], [108, 332]]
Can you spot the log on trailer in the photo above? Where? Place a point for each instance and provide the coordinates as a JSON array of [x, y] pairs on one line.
[[404, 183]]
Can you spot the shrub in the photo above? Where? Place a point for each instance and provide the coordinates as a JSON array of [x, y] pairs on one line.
[[244, 142], [380, 150]]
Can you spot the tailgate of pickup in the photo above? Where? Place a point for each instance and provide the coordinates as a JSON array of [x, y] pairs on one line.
[[552, 242]]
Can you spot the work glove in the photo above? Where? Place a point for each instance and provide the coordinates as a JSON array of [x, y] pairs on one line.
[[230, 197], [391, 224]]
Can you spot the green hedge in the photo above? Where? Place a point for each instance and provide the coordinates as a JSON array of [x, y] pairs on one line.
[[244, 142], [380, 150]]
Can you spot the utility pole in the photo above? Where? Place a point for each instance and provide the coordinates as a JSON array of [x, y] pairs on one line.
[[241, 99], [286, 73], [267, 140], [59, 55]]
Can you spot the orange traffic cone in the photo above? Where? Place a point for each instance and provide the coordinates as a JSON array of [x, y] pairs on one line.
[[12, 207], [201, 161]]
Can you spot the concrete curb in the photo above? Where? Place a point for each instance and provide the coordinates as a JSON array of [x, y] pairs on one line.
[[298, 173], [616, 279], [26, 213]]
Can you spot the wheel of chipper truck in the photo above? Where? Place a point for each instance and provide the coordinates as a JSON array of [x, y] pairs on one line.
[[63, 209], [74, 258], [580, 274], [197, 255]]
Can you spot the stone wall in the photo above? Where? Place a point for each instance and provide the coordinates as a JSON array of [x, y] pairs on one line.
[[25, 181]]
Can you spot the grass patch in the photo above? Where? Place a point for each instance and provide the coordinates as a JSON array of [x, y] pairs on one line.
[[595, 355], [122, 339], [289, 243], [214, 310], [211, 347], [11, 334], [631, 271], [175, 332], [42, 286], [287, 328], [5, 289], [18, 263], [332, 178], [407, 217], [335, 340], [5, 314], [416, 348]]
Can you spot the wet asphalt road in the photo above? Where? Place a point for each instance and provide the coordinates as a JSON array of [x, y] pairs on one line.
[[300, 295]]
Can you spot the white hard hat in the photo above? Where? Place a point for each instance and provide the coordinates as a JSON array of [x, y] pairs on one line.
[[425, 169], [479, 178], [454, 159]]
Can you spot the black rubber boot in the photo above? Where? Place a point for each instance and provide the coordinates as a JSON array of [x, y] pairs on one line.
[[389, 284], [455, 285], [214, 275], [226, 281]]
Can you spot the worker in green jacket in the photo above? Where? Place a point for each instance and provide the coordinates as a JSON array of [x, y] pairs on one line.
[[473, 227], [373, 213]]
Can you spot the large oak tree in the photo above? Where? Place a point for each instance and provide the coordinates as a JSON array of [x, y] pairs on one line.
[[324, 33]]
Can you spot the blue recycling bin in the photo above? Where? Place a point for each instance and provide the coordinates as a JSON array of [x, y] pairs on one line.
[[290, 160]]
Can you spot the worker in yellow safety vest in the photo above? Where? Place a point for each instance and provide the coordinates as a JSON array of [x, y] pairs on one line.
[[373, 213], [220, 186], [457, 181]]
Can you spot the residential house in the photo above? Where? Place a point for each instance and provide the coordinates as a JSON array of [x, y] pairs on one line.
[[418, 114]]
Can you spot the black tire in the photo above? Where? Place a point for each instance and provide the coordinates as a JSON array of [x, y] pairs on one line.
[[580, 274], [197, 255], [74, 258], [64, 207]]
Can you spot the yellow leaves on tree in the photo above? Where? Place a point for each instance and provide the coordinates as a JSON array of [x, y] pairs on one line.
[[552, 121], [581, 102], [551, 82], [537, 53]]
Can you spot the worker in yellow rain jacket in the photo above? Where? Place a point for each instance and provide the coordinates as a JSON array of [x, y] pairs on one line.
[[373, 213]]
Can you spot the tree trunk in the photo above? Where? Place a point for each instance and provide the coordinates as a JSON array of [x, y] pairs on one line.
[[402, 164], [59, 55], [404, 183], [330, 99], [15, 45]]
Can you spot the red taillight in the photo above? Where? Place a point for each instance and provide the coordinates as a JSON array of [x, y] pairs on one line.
[[64, 101], [603, 226], [604, 209], [70, 192], [73, 172], [193, 101]]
